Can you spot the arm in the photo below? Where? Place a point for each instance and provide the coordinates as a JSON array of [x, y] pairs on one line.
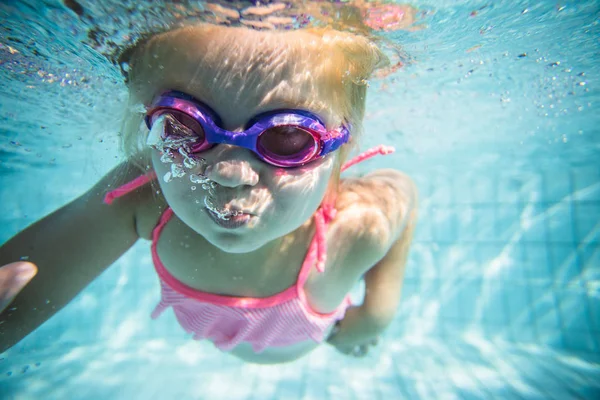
[[70, 247], [363, 324]]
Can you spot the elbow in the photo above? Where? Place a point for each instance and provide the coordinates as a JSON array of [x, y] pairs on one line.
[[379, 318]]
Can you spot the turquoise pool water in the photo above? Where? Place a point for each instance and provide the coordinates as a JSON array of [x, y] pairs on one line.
[[495, 116]]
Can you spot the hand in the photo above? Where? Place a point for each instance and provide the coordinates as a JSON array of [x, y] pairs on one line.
[[353, 335], [13, 278], [357, 350]]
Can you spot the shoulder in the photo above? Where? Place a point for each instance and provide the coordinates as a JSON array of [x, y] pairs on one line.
[[143, 200], [373, 210]]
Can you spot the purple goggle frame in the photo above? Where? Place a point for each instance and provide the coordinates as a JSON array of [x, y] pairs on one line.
[[324, 141]]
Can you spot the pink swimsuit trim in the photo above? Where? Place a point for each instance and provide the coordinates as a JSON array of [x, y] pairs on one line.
[[229, 301]]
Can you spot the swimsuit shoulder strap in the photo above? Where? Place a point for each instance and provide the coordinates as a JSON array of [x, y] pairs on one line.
[[129, 187], [317, 251]]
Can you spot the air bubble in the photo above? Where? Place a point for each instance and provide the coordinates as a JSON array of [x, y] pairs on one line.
[[224, 214], [177, 170], [199, 179], [166, 157], [195, 178], [189, 162]]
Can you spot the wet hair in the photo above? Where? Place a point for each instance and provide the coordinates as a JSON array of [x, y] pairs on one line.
[[328, 68]]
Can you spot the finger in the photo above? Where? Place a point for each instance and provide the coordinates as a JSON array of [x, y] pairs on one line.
[[334, 331], [360, 351], [345, 350], [13, 278]]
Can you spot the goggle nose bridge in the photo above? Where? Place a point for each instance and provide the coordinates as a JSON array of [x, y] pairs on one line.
[[247, 139]]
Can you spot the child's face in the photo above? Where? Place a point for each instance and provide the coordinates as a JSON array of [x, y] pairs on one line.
[[276, 200]]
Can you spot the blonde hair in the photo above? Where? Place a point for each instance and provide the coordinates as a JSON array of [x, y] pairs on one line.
[[330, 70]]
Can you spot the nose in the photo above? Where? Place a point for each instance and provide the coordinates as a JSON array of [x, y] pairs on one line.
[[233, 167]]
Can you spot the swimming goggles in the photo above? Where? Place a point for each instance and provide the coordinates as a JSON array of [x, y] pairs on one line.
[[284, 138]]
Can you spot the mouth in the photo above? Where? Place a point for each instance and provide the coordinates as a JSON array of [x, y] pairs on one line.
[[233, 222]]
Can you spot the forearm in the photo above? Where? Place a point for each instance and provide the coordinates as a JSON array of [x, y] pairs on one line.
[[369, 320], [383, 288], [383, 282], [66, 265], [70, 247], [357, 327]]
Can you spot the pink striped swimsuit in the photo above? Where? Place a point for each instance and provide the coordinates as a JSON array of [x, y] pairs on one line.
[[283, 319]]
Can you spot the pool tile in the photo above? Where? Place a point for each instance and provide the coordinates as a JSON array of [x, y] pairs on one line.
[[574, 310], [508, 222], [560, 223], [565, 263], [587, 222], [587, 184], [535, 262], [533, 224], [557, 185]]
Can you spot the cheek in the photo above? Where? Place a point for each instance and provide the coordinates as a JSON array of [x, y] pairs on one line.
[[176, 160], [174, 182], [307, 176], [301, 193], [175, 167], [161, 166]]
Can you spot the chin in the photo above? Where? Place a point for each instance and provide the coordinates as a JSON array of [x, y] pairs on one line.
[[234, 243]]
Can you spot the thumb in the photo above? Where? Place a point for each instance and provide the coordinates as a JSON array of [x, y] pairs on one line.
[[13, 278]]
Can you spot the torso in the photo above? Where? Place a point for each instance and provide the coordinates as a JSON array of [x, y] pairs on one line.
[[195, 262]]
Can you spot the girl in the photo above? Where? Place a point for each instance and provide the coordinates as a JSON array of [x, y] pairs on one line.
[[255, 239]]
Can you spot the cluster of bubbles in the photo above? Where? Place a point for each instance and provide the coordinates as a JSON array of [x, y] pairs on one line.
[[180, 141]]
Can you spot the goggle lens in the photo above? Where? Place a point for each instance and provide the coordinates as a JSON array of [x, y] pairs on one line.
[[287, 144], [181, 124]]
